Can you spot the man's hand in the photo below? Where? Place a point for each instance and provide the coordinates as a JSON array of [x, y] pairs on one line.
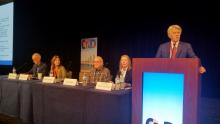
[[202, 70]]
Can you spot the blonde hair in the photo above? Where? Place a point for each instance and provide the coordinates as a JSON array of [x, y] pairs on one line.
[[129, 62], [53, 59], [171, 27]]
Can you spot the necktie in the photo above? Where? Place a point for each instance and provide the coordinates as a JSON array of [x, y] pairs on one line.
[[174, 50]]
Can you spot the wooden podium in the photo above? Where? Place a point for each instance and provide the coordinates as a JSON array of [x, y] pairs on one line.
[[187, 66]]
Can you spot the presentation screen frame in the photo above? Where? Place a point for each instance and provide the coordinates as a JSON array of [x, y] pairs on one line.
[[6, 32]]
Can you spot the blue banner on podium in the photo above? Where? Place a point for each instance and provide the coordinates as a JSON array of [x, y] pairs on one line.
[[163, 95]]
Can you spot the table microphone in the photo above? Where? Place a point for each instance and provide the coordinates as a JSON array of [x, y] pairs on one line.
[[21, 67], [94, 76]]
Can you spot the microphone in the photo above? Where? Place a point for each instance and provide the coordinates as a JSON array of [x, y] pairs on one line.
[[69, 64], [21, 67], [106, 64]]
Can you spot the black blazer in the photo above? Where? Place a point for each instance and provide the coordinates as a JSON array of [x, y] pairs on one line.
[[128, 76], [41, 68]]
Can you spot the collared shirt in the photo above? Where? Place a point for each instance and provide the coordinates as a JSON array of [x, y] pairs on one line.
[[99, 75], [172, 45], [123, 73], [120, 77]]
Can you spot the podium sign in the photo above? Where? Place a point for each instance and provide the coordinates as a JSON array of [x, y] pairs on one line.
[[162, 97], [165, 90]]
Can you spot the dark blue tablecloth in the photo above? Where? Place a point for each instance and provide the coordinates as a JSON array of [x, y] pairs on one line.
[[58, 104], [39, 103], [16, 98]]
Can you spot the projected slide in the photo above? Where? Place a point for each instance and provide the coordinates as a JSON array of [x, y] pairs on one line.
[[162, 98], [6, 34]]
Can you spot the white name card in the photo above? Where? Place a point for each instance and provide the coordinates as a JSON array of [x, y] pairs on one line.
[[104, 86], [48, 79], [70, 82], [23, 77], [12, 76]]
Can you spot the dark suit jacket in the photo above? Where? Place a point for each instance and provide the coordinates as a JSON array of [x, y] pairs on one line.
[[42, 68], [128, 76], [184, 50]]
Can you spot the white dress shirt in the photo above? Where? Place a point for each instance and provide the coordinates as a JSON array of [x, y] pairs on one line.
[[123, 73], [172, 45]]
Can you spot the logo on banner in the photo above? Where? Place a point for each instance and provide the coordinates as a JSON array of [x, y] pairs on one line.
[[154, 121], [89, 43]]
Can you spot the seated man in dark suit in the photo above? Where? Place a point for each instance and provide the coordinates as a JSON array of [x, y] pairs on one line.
[[175, 48], [38, 66]]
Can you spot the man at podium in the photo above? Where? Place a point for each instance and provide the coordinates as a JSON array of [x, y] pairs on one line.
[[176, 48]]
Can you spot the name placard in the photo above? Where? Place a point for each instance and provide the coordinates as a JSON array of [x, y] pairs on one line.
[[23, 77], [47, 79], [104, 86], [12, 76], [70, 82]]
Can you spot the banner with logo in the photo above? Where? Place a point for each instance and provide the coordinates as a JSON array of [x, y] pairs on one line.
[[88, 53]]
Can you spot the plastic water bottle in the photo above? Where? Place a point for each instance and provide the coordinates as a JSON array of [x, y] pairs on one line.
[[51, 73], [117, 83], [85, 79], [13, 70], [117, 80]]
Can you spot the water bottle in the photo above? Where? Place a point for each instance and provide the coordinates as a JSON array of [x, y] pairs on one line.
[[13, 70], [117, 83], [51, 73], [117, 80], [84, 78]]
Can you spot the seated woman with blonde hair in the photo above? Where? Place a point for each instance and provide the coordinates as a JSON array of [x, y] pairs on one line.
[[57, 70], [124, 74]]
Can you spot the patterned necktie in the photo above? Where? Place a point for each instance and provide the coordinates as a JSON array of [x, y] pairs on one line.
[[174, 50]]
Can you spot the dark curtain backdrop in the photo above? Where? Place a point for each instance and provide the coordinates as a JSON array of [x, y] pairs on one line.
[[56, 28]]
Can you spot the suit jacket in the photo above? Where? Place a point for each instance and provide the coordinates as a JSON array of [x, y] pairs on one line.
[[184, 50], [128, 76], [41, 68]]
